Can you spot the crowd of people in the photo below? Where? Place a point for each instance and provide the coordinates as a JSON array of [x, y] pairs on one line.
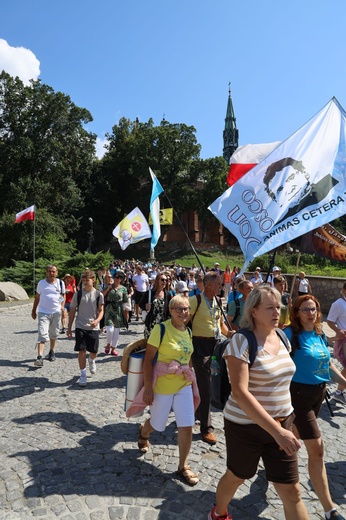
[[274, 400]]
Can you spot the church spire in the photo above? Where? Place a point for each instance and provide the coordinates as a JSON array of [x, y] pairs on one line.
[[230, 133]]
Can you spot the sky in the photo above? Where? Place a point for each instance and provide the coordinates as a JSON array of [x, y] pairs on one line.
[[175, 59]]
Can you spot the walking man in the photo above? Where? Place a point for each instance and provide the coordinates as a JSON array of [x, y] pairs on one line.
[[90, 303], [49, 302], [207, 326]]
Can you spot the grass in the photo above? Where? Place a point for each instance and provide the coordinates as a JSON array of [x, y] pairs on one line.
[[310, 264]]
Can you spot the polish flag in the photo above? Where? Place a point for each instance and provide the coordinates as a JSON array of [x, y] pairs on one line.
[[247, 157], [26, 214]]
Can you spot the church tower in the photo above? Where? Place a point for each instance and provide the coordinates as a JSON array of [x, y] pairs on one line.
[[230, 133]]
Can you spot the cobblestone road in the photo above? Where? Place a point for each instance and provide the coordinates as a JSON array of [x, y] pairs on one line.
[[70, 453]]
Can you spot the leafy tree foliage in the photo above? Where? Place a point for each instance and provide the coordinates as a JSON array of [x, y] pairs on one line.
[[121, 180], [46, 156]]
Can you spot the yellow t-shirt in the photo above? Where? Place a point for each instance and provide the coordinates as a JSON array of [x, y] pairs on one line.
[[205, 319], [176, 345]]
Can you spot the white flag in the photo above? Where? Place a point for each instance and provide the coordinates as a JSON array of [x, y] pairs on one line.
[[298, 187], [133, 228]]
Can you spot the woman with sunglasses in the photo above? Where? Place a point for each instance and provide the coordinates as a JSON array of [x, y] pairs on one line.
[[171, 383], [157, 307], [115, 295], [314, 369]]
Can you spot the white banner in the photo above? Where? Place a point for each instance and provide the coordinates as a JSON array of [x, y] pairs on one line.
[[300, 186]]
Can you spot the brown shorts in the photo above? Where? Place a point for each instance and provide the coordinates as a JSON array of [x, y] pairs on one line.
[[247, 443], [307, 401]]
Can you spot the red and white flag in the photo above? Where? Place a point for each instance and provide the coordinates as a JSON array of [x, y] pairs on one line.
[[247, 157], [26, 214]]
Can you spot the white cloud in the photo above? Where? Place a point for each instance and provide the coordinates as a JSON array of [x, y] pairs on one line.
[[18, 61], [100, 149]]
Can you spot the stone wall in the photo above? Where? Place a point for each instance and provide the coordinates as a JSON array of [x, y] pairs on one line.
[[326, 290]]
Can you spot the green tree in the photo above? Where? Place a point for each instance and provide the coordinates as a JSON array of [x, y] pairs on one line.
[[46, 154], [121, 180]]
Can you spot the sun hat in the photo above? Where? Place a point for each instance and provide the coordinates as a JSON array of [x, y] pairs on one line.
[[276, 268], [135, 346]]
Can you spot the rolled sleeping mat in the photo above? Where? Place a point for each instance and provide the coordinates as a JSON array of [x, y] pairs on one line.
[[135, 379]]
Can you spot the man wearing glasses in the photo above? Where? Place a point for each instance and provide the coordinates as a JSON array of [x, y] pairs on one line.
[[50, 301], [207, 326]]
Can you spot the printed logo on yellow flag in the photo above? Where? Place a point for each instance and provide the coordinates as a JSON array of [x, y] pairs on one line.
[[133, 228], [166, 217]]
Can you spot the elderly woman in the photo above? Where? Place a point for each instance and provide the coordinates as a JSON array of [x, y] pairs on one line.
[[157, 306], [308, 388], [115, 296], [171, 383], [258, 414]]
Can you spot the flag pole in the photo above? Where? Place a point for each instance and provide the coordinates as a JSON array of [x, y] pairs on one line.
[[198, 260], [34, 254], [295, 273], [271, 265]]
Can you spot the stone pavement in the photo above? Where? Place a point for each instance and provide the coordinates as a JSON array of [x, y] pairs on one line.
[[70, 453]]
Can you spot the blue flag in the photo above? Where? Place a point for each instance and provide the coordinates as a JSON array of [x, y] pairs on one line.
[[155, 209], [300, 186]]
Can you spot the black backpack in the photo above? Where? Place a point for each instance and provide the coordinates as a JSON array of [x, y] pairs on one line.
[[220, 387]]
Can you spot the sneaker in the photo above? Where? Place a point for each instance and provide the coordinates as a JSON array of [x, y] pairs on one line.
[[82, 380], [335, 514], [62, 331], [38, 362], [212, 515], [340, 398], [92, 366], [209, 438], [51, 355]]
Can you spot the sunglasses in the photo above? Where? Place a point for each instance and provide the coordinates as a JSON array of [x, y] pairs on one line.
[[119, 277], [163, 279]]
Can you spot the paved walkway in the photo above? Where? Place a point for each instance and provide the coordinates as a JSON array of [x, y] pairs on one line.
[[70, 453]]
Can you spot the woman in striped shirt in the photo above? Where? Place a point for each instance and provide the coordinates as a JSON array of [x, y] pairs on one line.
[[259, 414]]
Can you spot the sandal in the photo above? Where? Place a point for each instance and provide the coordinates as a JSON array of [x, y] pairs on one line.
[[114, 352], [190, 478], [143, 442], [107, 349]]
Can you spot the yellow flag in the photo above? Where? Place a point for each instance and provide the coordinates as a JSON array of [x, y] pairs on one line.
[[132, 229], [166, 217]]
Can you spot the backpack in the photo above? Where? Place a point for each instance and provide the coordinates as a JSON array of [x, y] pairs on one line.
[[220, 386]]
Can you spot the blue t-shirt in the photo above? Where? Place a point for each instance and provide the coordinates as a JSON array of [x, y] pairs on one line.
[[311, 359], [232, 295]]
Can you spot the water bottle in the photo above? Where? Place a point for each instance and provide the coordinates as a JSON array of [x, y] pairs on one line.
[[214, 367]]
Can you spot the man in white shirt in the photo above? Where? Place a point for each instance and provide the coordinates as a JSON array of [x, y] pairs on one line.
[[141, 285], [49, 301]]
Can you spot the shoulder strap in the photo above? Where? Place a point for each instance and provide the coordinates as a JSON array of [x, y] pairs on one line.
[[199, 300], [237, 309], [60, 283], [79, 297], [294, 341], [283, 337], [162, 331], [251, 339]]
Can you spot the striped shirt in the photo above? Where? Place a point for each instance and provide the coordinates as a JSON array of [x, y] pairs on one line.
[[269, 380]]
